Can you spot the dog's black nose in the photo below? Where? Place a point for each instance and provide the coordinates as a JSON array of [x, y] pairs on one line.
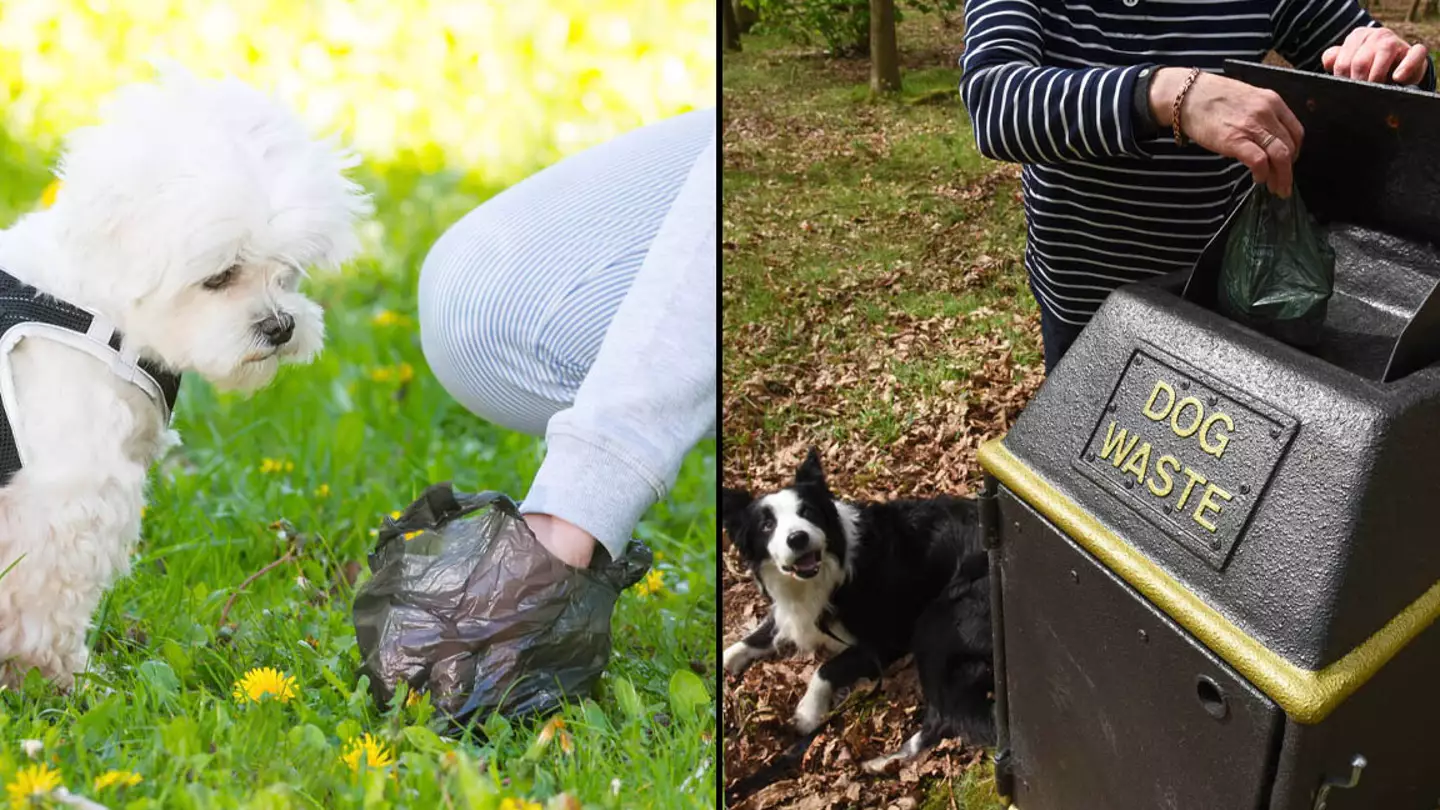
[[277, 329], [798, 540]]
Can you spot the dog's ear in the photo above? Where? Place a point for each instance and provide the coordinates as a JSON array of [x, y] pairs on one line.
[[733, 503], [810, 471]]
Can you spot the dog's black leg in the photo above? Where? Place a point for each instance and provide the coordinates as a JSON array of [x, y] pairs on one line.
[[953, 655], [840, 672], [757, 646]]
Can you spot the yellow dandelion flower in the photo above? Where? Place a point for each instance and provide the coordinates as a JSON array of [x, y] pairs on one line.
[[512, 803], [652, 584], [113, 778], [366, 747], [412, 535], [413, 699], [259, 684], [402, 374], [387, 318], [395, 515], [47, 198], [547, 732], [322, 491], [275, 465], [32, 782]]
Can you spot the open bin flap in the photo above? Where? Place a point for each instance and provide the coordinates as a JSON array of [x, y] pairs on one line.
[[1367, 166]]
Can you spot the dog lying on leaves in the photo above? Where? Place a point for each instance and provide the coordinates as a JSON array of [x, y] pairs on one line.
[[869, 583]]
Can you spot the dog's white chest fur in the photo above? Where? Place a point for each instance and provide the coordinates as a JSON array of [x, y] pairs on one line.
[[799, 605]]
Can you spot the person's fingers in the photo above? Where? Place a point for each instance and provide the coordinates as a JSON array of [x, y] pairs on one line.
[[1343, 57], [1281, 160], [1255, 159], [1286, 125], [1279, 147], [1412, 67], [1362, 60], [1387, 54], [1327, 59]]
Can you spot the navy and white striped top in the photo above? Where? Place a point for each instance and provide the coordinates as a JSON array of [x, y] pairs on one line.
[[1051, 85]]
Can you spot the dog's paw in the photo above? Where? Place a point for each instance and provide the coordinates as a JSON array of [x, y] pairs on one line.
[[911, 750], [809, 718], [739, 656], [878, 765], [814, 706]]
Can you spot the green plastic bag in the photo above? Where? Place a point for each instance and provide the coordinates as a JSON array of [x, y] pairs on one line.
[[1279, 271]]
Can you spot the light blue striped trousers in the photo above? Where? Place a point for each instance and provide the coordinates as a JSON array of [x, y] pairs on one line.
[[580, 304]]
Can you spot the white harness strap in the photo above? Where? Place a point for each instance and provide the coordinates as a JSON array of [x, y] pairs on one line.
[[96, 342]]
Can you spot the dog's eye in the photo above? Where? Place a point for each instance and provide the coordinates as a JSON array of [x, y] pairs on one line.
[[804, 512], [220, 281], [767, 523]]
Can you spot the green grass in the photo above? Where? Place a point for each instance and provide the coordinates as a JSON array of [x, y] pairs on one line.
[[161, 703], [830, 191]]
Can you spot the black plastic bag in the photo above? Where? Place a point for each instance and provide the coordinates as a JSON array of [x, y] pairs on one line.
[[467, 605], [1279, 271]]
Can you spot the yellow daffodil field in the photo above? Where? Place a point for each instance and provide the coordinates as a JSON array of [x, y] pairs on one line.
[[224, 669]]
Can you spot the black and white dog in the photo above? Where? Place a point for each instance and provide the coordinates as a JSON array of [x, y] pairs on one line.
[[871, 582]]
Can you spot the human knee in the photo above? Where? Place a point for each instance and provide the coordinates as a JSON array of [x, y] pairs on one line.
[[474, 322], [468, 297]]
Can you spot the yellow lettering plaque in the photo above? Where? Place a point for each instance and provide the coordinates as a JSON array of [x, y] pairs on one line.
[[1189, 453]]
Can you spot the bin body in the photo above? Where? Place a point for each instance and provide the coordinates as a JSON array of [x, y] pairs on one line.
[[1216, 562]]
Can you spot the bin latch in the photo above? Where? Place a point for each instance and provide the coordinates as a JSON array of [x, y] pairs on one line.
[[1356, 766]]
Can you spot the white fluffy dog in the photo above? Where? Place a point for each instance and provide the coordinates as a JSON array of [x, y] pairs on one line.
[[185, 222]]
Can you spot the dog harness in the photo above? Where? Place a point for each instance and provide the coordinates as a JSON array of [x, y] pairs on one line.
[[27, 312]]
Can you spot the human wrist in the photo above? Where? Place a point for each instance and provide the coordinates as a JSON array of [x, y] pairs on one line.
[[1164, 87], [569, 543]]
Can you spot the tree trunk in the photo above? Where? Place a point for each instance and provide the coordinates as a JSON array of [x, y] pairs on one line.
[[884, 56], [1413, 12], [731, 25], [746, 14]]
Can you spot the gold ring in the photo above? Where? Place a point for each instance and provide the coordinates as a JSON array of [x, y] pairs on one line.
[[1268, 140]]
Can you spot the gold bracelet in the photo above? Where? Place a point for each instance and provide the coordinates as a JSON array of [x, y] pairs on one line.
[[1180, 99]]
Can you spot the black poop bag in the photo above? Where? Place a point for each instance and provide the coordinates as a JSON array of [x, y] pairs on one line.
[[466, 604], [1279, 271]]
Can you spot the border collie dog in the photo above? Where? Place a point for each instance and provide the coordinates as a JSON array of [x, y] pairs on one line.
[[870, 582]]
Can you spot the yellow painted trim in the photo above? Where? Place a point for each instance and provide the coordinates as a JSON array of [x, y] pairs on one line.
[[1306, 695]]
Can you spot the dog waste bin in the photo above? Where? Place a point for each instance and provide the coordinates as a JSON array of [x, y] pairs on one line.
[[1215, 556]]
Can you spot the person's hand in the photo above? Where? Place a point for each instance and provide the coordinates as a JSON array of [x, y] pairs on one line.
[[1375, 54], [1234, 119], [571, 544]]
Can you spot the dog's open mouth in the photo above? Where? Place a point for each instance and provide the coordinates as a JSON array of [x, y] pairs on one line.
[[805, 566]]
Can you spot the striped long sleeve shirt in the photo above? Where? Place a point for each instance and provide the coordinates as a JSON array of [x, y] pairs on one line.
[[1051, 85]]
